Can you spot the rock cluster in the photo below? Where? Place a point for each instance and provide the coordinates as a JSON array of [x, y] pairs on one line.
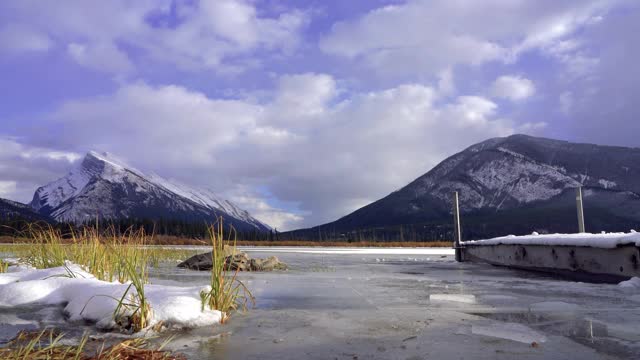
[[236, 260]]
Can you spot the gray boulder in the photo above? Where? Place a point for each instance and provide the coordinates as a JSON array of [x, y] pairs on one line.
[[235, 260]]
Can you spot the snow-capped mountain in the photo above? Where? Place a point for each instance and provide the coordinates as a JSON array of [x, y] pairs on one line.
[[106, 187], [518, 182]]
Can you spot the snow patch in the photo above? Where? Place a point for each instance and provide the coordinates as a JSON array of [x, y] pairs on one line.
[[606, 240], [633, 283], [607, 184], [509, 331], [89, 299], [461, 298]]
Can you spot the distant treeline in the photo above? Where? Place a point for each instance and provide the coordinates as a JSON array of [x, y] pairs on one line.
[[18, 227], [474, 226]]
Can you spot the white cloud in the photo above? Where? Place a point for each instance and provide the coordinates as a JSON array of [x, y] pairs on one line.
[[16, 38], [327, 157], [513, 87], [275, 217], [566, 102], [426, 37], [446, 83], [7, 188], [303, 96], [24, 167], [532, 128], [103, 57], [203, 36]]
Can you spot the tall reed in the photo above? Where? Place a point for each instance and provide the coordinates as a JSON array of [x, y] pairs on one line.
[[136, 302], [106, 255], [226, 292]]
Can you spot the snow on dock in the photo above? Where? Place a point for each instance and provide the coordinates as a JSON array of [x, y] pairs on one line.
[[601, 240], [604, 257]]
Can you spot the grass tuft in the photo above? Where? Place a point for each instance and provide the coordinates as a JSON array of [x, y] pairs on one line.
[[226, 292], [47, 345], [136, 303], [41, 345]]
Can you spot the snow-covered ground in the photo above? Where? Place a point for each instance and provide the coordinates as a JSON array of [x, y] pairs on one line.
[[602, 240], [86, 298], [395, 306]]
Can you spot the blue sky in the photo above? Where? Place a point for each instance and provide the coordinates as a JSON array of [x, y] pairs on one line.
[[302, 111]]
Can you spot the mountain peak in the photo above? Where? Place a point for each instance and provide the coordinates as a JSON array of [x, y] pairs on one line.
[[517, 176], [106, 186], [106, 165]]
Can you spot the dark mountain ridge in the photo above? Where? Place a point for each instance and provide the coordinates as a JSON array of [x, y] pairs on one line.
[[515, 184]]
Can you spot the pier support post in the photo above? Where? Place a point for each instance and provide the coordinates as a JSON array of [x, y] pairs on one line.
[[457, 229], [580, 209]]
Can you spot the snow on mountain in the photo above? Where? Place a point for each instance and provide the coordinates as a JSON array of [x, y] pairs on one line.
[[107, 187], [514, 171], [517, 184]]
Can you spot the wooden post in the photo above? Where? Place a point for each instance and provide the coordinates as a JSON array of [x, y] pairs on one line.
[[457, 232], [580, 209]]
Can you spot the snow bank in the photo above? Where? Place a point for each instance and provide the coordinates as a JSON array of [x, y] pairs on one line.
[[633, 283], [462, 298], [606, 241], [88, 299]]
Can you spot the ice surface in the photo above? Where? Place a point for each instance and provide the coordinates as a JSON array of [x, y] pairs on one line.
[[555, 307], [354, 251], [509, 331], [602, 240], [335, 305]]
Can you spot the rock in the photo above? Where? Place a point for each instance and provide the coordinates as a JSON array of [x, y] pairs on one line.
[[235, 260], [198, 262]]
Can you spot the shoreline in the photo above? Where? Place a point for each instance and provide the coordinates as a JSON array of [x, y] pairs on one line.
[[175, 241]]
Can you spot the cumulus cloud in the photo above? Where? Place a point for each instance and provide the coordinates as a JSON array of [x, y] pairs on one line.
[[190, 35], [23, 167], [410, 83], [426, 37], [7, 188], [103, 57], [512, 87], [327, 157], [19, 38]]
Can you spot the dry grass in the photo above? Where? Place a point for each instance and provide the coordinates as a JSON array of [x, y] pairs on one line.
[[47, 345], [40, 345], [105, 254], [226, 292]]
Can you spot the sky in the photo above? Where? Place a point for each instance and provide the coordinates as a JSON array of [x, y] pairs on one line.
[[303, 111]]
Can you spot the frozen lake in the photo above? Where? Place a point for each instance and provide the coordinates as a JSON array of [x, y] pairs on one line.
[[399, 304]]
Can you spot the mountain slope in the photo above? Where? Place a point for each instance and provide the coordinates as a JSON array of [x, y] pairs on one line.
[[12, 210], [509, 180], [106, 187]]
